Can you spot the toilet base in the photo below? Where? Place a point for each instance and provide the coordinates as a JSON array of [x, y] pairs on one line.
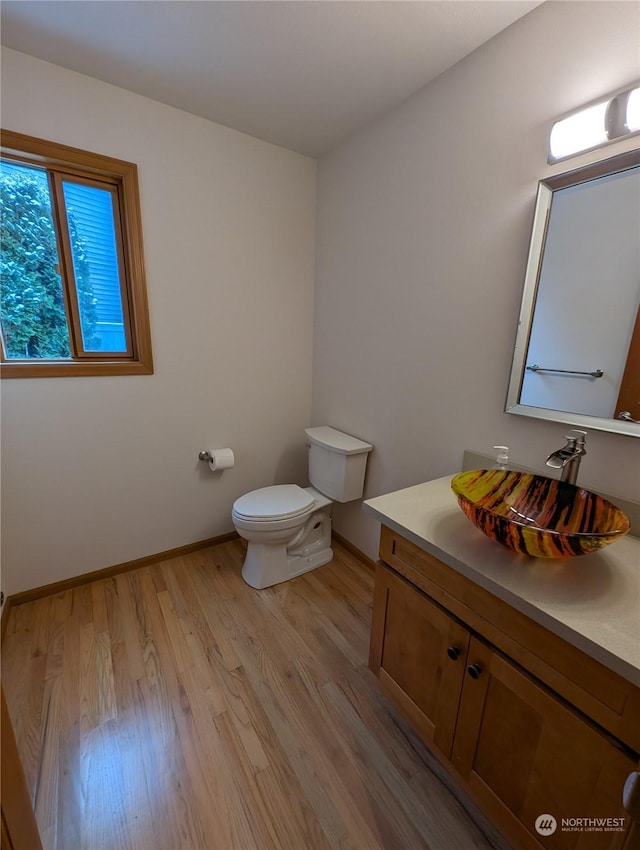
[[264, 568], [271, 563]]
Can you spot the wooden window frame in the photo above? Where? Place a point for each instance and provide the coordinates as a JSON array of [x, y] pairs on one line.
[[122, 177]]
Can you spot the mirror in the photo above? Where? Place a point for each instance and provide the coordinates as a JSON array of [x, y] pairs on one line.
[[577, 350]]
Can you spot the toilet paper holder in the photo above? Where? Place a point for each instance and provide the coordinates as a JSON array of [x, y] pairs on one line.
[[218, 459]]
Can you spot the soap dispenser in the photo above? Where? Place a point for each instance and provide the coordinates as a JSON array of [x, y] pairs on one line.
[[502, 460]]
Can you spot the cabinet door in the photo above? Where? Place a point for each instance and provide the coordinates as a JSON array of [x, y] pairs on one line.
[[419, 654], [524, 753]]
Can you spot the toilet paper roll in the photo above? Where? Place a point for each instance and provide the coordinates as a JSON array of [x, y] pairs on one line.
[[221, 459]]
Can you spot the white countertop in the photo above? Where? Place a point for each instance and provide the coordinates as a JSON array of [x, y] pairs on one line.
[[592, 601]]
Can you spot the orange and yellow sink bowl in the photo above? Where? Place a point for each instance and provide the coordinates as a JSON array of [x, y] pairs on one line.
[[538, 516]]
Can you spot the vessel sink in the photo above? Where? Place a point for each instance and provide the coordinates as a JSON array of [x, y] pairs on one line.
[[538, 516]]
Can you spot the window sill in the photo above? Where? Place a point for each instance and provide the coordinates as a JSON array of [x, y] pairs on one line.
[[74, 369]]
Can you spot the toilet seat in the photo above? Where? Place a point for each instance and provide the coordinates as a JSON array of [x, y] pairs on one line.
[[278, 502]]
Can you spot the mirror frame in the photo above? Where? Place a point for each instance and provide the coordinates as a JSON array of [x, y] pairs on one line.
[[546, 188]]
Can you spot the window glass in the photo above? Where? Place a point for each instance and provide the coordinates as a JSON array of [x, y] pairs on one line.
[[32, 308], [90, 218]]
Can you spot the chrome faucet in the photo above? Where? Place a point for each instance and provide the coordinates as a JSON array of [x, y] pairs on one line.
[[567, 459]]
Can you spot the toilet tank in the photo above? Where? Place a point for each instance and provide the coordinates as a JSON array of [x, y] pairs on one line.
[[337, 463]]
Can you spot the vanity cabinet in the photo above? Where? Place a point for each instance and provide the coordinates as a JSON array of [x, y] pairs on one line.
[[508, 706]]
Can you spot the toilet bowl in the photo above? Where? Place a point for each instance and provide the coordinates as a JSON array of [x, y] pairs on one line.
[[287, 527]]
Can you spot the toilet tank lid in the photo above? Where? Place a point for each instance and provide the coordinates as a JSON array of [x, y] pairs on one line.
[[335, 440]]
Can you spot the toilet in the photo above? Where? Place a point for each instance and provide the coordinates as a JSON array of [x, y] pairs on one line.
[[288, 528]]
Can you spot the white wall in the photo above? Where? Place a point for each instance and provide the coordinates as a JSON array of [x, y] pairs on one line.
[[422, 236], [98, 471]]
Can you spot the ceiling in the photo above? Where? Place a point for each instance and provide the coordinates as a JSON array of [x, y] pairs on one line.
[[303, 74]]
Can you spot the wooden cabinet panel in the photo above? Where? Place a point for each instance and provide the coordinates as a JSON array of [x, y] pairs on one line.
[[525, 753], [419, 653]]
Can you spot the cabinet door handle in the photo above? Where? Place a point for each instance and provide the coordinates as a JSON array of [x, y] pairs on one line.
[[453, 652], [474, 670]]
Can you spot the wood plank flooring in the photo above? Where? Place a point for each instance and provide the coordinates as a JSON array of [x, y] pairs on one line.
[[176, 708]]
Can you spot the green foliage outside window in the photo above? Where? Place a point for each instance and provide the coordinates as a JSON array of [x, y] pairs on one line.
[[34, 320]]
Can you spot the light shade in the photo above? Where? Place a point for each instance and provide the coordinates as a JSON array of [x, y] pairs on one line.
[[582, 130], [632, 121]]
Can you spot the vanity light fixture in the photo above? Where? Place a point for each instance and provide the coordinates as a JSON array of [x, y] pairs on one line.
[[605, 121]]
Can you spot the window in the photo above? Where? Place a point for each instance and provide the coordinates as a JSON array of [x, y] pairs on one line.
[[73, 296]]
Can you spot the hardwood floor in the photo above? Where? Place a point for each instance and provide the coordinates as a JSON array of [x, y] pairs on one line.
[[176, 708]]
